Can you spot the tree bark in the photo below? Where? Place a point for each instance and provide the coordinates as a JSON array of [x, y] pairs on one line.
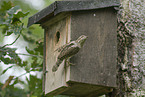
[[131, 49]]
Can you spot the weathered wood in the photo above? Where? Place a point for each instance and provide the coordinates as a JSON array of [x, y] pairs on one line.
[[68, 6], [44, 62], [56, 80], [96, 61], [94, 72], [95, 69]]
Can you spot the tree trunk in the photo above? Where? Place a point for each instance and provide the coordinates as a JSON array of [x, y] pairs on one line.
[[131, 50]]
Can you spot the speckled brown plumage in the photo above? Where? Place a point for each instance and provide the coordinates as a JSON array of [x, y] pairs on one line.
[[68, 50]]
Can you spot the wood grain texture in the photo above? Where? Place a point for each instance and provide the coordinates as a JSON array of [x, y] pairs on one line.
[[44, 62], [96, 61], [94, 72], [85, 90], [55, 81]]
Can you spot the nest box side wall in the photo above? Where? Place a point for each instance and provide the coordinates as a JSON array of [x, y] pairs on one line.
[[96, 61]]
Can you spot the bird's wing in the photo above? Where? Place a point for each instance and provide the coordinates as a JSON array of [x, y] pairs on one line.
[[68, 51], [64, 46]]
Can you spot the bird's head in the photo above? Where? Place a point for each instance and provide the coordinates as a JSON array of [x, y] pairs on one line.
[[81, 40]]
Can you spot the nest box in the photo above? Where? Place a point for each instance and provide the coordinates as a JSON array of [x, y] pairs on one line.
[[94, 72]]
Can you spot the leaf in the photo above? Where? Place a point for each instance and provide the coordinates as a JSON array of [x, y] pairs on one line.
[[24, 63], [6, 5], [30, 51], [15, 82], [12, 91], [7, 69], [2, 52], [34, 64], [8, 33], [13, 10], [20, 14], [18, 29], [28, 39], [27, 79], [16, 21], [7, 61], [12, 58], [39, 48], [4, 29], [33, 82], [13, 49]]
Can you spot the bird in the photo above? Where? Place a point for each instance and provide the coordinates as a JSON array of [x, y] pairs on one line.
[[68, 50]]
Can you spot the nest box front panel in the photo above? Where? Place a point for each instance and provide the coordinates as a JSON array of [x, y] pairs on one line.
[[57, 35]]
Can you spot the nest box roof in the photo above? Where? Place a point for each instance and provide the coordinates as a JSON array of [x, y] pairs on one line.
[[67, 6]]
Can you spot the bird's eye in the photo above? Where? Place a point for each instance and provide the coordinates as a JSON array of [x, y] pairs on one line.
[[57, 36]]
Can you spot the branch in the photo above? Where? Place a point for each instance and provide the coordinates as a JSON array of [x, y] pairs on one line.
[[22, 74], [30, 55], [22, 54], [8, 81], [12, 42]]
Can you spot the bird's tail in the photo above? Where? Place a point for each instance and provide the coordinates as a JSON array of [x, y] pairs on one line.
[[55, 67]]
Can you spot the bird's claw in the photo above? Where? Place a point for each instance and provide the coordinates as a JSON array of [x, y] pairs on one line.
[[69, 63]]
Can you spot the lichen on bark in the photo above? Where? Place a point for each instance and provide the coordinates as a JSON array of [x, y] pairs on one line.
[[131, 49]]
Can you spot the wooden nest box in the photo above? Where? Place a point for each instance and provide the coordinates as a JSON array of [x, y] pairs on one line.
[[94, 72]]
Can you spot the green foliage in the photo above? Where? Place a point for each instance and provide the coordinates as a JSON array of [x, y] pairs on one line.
[[12, 91], [9, 56], [6, 6], [11, 22], [34, 85], [6, 69]]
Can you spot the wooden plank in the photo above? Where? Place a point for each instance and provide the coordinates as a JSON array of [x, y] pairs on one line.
[[96, 61], [55, 81], [44, 62], [68, 6]]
